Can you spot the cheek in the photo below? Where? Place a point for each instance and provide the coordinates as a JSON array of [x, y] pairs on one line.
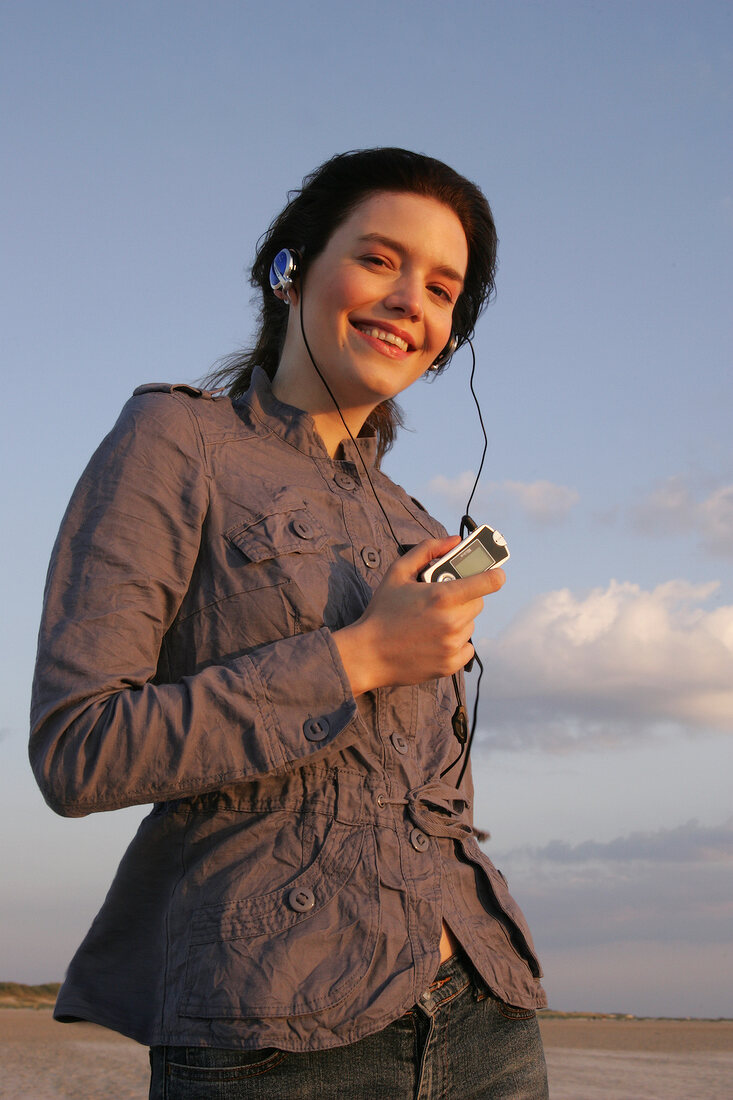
[[441, 332], [336, 297], [351, 289]]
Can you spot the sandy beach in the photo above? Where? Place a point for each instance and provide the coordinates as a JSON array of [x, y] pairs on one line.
[[588, 1059], [630, 1059]]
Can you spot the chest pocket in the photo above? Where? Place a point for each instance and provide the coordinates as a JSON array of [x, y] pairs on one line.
[[287, 527], [279, 553]]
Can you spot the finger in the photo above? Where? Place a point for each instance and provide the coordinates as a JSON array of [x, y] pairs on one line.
[[462, 593], [415, 560], [465, 656], [482, 584]]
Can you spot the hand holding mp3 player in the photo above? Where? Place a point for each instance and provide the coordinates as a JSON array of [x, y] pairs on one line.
[[483, 549]]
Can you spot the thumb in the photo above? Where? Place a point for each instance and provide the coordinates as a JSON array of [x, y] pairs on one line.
[[421, 555]]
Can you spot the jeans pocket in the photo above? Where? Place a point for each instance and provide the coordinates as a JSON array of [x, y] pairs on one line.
[[513, 1012], [210, 1073], [211, 1064]]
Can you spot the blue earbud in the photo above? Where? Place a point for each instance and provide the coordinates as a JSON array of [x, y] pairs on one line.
[[283, 271]]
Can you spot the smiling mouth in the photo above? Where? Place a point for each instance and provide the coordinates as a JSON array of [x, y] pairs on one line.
[[386, 337]]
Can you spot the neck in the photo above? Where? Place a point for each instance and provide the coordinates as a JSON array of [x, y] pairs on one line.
[[331, 428], [304, 390]]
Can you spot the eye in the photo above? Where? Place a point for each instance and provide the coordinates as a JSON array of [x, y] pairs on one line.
[[375, 261], [442, 292]]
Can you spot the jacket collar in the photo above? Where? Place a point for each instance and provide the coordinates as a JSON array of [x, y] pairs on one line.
[[297, 428]]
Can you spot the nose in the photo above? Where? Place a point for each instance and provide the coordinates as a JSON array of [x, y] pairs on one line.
[[406, 297]]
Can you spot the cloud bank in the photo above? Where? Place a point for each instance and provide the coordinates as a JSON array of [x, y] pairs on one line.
[[674, 507], [671, 885], [617, 662], [543, 502], [688, 843]]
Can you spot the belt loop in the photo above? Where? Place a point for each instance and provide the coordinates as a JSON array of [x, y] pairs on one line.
[[349, 803]]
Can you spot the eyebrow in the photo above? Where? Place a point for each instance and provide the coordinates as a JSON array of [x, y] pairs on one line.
[[389, 242]]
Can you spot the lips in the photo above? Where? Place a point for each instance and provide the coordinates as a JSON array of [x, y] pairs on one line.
[[383, 334]]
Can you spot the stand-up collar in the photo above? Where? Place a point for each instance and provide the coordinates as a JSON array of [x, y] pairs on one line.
[[297, 428]]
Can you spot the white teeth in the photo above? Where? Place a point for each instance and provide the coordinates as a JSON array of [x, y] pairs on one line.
[[388, 337]]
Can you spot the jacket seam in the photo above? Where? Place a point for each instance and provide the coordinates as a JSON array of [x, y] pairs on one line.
[[197, 429], [269, 719]]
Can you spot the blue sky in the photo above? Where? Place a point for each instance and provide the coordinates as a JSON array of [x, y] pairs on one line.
[[147, 145]]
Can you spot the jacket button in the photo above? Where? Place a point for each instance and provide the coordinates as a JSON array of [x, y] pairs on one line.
[[370, 557], [400, 744], [344, 481], [315, 729], [302, 528], [418, 840], [301, 899]]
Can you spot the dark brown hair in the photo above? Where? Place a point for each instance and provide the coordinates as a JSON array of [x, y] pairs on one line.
[[312, 214]]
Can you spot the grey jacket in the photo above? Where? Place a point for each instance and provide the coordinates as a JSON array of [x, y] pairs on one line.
[[288, 887]]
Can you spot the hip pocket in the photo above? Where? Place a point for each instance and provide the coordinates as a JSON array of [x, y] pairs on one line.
[[298, 949]]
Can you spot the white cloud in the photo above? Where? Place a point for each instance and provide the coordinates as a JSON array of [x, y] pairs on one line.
[[673, 507], [454, 490], [613, 664], [543, 502]]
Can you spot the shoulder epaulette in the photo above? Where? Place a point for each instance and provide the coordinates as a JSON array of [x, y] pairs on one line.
[[173, 387]]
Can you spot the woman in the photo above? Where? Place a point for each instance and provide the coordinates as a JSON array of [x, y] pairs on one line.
[[233, 631]]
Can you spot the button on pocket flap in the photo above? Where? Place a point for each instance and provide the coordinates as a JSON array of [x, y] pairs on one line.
[[297, 950], [268, 914], [280, 525]]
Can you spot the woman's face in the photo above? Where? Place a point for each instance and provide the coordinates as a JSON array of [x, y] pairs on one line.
[[378, 301]]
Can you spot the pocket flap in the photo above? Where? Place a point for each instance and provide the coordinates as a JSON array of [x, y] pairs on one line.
[[295, 951], [281, 525]]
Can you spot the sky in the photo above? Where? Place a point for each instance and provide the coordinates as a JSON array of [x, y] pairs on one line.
[[146, 148]]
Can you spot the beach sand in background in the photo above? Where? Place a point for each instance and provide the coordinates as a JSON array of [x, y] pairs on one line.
[[607, 1059], [588, 1059]]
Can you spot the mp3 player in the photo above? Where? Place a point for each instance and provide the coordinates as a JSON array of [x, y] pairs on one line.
[[483, 549]]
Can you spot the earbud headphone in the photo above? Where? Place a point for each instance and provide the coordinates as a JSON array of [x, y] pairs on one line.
[[283, 271], [445, 354]]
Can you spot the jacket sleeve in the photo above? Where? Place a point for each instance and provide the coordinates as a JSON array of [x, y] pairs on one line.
[[104, 734]]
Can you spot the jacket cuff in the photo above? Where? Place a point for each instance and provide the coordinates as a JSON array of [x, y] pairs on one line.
[[306, 697]]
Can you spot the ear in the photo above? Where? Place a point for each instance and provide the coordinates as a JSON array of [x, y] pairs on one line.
[[289, 296]]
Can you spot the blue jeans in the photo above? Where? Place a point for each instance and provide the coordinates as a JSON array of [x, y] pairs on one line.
[[457, 1043]]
